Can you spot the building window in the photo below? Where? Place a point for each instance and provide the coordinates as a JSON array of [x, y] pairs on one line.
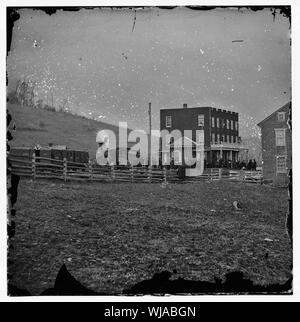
[[234, 139], [168, 121], [218, 122], [218, 138], [177, 157], [213, 137], [280, 137], [231, 138], [281, 116], [212, 122], [223, 138], [200, 120], [281, 164], [228, 139], [228, 124], [223, 124]]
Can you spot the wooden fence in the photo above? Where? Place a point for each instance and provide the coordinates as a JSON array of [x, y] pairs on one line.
[[42, 168]]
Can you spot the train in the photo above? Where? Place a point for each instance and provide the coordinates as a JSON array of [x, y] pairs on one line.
[[76, 156]]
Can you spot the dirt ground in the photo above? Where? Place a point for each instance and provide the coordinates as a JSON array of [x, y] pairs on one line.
[[111, 236]]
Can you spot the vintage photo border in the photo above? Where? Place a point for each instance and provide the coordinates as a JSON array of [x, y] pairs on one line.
[[295, 30]]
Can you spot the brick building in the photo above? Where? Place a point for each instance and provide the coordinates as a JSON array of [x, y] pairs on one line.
[[221, 131], [276, 139]]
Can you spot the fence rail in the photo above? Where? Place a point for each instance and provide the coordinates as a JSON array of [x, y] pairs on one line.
[[39, 167]]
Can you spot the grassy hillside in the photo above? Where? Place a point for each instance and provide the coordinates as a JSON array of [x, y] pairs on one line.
[[37, 126]]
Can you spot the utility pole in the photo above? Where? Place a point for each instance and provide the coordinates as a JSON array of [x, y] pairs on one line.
[[150, 128], [52, 97]]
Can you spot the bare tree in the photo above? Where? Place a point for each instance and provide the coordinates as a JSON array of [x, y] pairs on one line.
[[63, 105], [25, 92]]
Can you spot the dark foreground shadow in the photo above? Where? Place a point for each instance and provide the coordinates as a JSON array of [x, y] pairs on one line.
[[161, 284], [234, 283]]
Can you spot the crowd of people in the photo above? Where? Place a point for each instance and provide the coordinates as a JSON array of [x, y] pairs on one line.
[[251, 165]]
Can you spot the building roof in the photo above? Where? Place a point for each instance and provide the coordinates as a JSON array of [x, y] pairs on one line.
[[278, 110], [181, 108], [197, 107]]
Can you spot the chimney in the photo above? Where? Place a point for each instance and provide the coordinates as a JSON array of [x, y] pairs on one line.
[[184, 105]]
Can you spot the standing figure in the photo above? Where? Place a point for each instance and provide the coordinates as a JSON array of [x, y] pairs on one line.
[[254, 165]]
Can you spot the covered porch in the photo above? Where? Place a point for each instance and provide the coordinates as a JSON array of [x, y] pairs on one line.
[[225, 155]]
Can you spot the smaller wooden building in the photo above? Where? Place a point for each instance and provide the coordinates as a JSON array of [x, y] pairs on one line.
[[276, 136]]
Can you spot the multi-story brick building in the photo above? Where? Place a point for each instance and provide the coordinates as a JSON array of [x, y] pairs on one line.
[[221, 130], [277, 145]]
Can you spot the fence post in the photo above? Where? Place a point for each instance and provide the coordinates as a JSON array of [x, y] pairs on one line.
[[131, 173], [149, 174], [90, 170], [165, 175], [220, 173], [113, 174], [65, 171], [33, 166]]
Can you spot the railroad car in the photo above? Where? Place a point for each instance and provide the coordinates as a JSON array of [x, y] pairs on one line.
[[26, 153]]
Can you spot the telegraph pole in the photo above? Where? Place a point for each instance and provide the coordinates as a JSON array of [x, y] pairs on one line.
[[150, 128], [52, 98]]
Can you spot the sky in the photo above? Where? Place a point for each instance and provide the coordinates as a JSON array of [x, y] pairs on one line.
[[109, 64]]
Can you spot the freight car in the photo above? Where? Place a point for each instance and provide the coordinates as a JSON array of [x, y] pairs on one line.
[[25, 153], [81, 157], [21, 153]]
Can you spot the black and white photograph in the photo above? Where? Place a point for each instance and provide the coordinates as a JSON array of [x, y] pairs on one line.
[[149, 151]]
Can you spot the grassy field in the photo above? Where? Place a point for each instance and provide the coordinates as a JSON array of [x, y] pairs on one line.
[[112, 236]]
